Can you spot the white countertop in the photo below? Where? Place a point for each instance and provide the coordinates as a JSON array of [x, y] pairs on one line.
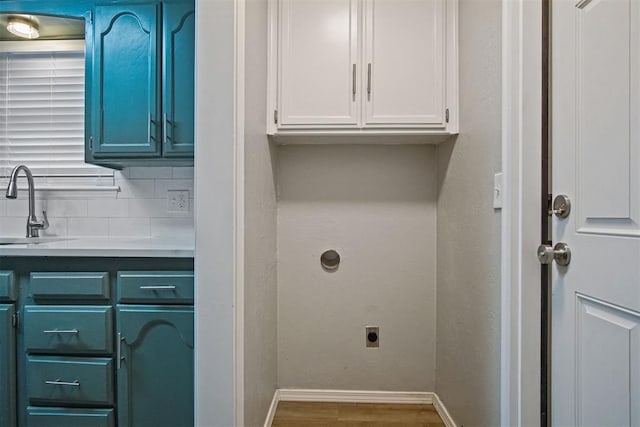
[[160, 247]]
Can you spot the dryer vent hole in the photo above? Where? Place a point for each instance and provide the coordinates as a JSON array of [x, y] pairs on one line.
[[330, 260]]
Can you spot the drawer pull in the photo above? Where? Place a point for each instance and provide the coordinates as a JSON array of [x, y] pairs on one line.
[[62, 331], [75, 383], [158, 288]]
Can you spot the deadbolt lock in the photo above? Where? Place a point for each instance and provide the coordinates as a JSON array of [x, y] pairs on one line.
[[561, 206], [560, 253]]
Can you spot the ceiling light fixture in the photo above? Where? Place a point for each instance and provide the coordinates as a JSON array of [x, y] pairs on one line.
[[24, 28]]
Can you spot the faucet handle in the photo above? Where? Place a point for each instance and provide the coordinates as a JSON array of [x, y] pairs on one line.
[[45, 220], [40, 225]]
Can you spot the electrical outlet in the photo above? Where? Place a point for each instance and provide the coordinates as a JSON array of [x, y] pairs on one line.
[[177, 201], [372, 335]]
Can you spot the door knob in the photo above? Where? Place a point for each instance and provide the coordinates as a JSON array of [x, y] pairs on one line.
[[560, 252]]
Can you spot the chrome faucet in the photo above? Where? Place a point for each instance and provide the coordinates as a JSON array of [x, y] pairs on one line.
[[33, 225]]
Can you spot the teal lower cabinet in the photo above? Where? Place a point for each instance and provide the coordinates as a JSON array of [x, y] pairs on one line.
[[8, 320], [96, 342], [7, 366], [70, 417], [156, 366]]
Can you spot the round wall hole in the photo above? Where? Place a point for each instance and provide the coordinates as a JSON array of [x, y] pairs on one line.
[[330, 260]]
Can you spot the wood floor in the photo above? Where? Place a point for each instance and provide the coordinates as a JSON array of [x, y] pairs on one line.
[[313, 414]]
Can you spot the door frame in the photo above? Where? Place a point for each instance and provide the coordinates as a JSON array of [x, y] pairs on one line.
[[520, 391]]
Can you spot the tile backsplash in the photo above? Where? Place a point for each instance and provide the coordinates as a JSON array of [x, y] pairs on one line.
[[141, 207]]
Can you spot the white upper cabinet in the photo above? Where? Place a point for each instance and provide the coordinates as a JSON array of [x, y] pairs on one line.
[[319, 52], [363, 67]]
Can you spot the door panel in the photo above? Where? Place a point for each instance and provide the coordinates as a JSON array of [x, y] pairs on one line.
[[126, 81], [404, 62], [606, 102], [319, 49], [608, 341], [156, 376], [178, 91], [7, 366], [595, 141]]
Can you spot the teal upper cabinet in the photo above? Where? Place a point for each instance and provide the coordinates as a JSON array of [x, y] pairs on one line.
[[141, 97], [179, 21], [125, 86]]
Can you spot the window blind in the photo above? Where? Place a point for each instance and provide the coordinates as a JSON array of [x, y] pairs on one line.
[[42, 117]]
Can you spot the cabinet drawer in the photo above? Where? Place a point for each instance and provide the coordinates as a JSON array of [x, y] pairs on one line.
[[70, 286], [76, 417], [68, 329], [8, 289], [69, 380], [167, 287]]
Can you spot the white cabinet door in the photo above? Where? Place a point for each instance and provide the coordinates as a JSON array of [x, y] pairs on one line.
[[318, 47], [404, 62]]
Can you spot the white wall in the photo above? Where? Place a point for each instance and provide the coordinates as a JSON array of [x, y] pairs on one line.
[[139, 209], [260, 281], [377, 206], [468, 345]]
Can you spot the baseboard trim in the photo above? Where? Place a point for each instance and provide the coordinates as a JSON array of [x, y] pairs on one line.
[[357, 396], [442, 411], [272, 409], [354, 396]]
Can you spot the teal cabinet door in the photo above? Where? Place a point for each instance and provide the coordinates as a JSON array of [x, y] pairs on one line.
[[178, 36], [125, 82], [7, 366], [156, 367]]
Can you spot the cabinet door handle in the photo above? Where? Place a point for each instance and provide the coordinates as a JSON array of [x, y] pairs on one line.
[[119, 350], [165, 138], [74, 383], [150, 137], [158, 288], [61, 331], [353, 81], [369, 80], [168, 124]]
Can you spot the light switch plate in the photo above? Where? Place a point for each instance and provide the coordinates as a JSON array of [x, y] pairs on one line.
[[497, 191], [177, 201]]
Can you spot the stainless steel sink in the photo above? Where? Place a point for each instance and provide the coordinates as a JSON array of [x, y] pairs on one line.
[[29, 240]]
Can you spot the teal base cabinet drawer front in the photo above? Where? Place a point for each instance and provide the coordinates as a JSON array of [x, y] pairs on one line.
[[155, 287], [68, 329], [69, 286], [7, 366], [156, 373], [69, 381], [69, 417], [8, 289]]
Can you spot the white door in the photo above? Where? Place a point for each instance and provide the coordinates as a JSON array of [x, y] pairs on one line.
[[404, 69], [318, 76], [596, 162]]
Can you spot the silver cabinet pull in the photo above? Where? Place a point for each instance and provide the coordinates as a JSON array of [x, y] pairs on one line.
[[75, 383], [150, 137], [168, 124], [61, 331], [164, 130], [369, 80], [119, 350], [353, 82], [158, 288]]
